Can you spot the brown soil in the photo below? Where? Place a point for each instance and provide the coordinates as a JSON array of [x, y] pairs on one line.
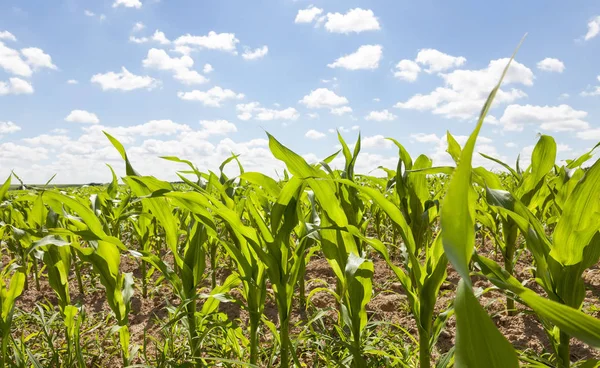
[[388, 304]]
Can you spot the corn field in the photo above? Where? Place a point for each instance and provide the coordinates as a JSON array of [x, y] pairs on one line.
[[222, 271]]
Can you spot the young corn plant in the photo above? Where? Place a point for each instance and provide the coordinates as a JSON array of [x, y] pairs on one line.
[[530, 188], [341, 248], [8, 295]]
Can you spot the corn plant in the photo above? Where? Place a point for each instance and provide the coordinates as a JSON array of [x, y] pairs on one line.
[[8, 295]]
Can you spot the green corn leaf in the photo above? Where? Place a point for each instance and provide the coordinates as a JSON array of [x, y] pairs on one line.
[[128, 168], [453, 147], [478, 341], [5, 187], [568, 319], [579, 221], [266, 182], [458, 208], [510, 169], [113, 187], [15, 289]]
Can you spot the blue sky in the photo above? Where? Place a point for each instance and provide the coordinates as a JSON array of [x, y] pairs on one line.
[[204, 79]]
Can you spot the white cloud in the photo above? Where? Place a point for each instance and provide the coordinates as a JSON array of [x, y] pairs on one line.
[[425, 138], [124, 81], [15, 86], [376, 141], [366, 57], [407, 70], [127, 3], [511, 144], [138, 27], [253, 110], [7, 127], [82, 116], [160, 37], [355, 127], [551, 65], [217, 127], [355, 20], [314, 134], [313, 115], [307, 15], [376, 99], [213, 97], [258, 53], [72, 81], [465, 91], [339, 111], [11, 61], [383, 115], [437, 61], [593, 28], [6, 35], [138, 39], [48, 140], [207, 69], [551, 118], [563, 96], [212, 41], [323, 98], [589, 134], [37, 58], [563, 148], [159, 59], [17, 153]]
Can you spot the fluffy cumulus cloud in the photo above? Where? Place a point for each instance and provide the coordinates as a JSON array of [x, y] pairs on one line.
[[308, 15], [8, 127], [37, 58], [160, 60], [323, 98], [407, 70], [465, 91], [551, 65], [434, 61], [366, 57], [258, 53], [212, 41], [214, 97], [6, 35], [82, 116], [15, 86], [158, 37], [128, 4], [12, 62], [207, 69], [376, 141], [593, 28], [550, 118], [354, 21], [383, 115], [590, 134], [123, 81], [206, 144], [314, 134], [339, 111], [437, 61], [253, 110]]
